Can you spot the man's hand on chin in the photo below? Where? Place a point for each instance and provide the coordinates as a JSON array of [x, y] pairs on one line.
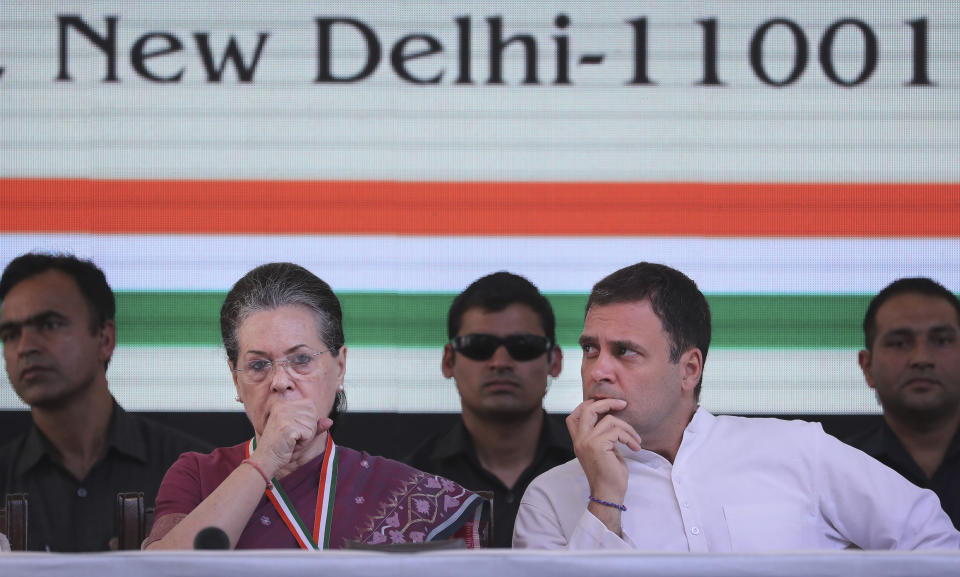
[[596, 433]]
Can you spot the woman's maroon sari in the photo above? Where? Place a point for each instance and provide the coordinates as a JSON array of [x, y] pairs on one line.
[[377, 500]]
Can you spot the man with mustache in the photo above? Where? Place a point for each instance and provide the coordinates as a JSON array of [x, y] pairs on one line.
[[912, 361], [501, 354], [657, 472], [58, 333]]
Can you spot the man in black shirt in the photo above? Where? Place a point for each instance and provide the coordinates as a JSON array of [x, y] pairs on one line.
[[912, 361], [58, 334], [501, 354]]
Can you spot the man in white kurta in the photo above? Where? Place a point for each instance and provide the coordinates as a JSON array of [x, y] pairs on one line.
[[741, 484], [654, 472]]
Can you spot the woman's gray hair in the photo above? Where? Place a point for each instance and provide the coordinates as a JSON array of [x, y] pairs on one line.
[[274, 285]]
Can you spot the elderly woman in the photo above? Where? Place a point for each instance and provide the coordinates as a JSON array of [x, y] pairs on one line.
[[290, 485]]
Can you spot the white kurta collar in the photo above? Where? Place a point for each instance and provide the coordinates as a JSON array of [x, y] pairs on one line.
[[697, 430]]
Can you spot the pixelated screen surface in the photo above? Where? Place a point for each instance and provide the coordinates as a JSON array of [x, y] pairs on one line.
[[791, 157]]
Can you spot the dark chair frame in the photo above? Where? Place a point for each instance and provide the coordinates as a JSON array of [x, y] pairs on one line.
[[13, 521], [132, 523], [486, 519]]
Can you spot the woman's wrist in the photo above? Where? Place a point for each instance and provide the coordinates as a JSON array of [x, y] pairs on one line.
[[260, 470]]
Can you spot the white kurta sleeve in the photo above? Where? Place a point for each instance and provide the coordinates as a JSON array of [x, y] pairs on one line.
[[864, 502], [554, 519]]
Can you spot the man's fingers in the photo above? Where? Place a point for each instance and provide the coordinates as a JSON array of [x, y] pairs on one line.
[[610, 430], [573, 422], [591, 411], [607, 405], [579, 422], [630, 438]]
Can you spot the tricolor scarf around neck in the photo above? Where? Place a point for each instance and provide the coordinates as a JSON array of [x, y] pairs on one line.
[[319, 538]]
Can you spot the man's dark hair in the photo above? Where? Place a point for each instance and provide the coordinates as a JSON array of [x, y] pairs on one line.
[[90, 279], [912, 285], [494, 293], [274, 285], [674, 297]]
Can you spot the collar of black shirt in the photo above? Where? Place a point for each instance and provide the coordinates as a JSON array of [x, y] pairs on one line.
[[457, 441], [123, 436]]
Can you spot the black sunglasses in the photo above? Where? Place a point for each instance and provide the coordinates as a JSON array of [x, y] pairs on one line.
[[480, 347]]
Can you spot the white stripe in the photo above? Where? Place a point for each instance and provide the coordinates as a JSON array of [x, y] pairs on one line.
[[327, 487], [409, 380], [597, 127], [559, 264], [286, 512]]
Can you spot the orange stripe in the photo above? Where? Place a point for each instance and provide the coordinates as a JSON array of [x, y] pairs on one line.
[[276, 505], [478, 208]]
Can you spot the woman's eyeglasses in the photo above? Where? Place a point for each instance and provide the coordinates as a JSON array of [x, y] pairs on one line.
[[297, 364]]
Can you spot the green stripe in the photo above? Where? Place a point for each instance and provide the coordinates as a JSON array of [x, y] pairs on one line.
[[293, 510], [419, 320], [307, 533], [328, 530]]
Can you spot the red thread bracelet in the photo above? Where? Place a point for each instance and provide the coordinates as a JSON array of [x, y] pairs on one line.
[[259, 470], [607, 503]]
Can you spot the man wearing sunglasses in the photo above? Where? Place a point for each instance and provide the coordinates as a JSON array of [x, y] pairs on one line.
[[657, 472], [501, 354]]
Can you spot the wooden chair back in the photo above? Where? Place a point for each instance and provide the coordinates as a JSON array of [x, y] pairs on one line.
[[13, 521], [486, 519], [131, 521]]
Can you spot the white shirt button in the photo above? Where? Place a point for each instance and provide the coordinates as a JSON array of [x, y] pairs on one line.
[[686, 505], [695, 530], [81, 492]]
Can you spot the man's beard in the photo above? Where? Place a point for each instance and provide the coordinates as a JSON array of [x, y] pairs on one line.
[[922, 417], [508, 415]]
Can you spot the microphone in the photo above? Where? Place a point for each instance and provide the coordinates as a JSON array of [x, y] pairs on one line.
[[211, 538]]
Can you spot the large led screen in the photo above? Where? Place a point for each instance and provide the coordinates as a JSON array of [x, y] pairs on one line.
[[791, 157]]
